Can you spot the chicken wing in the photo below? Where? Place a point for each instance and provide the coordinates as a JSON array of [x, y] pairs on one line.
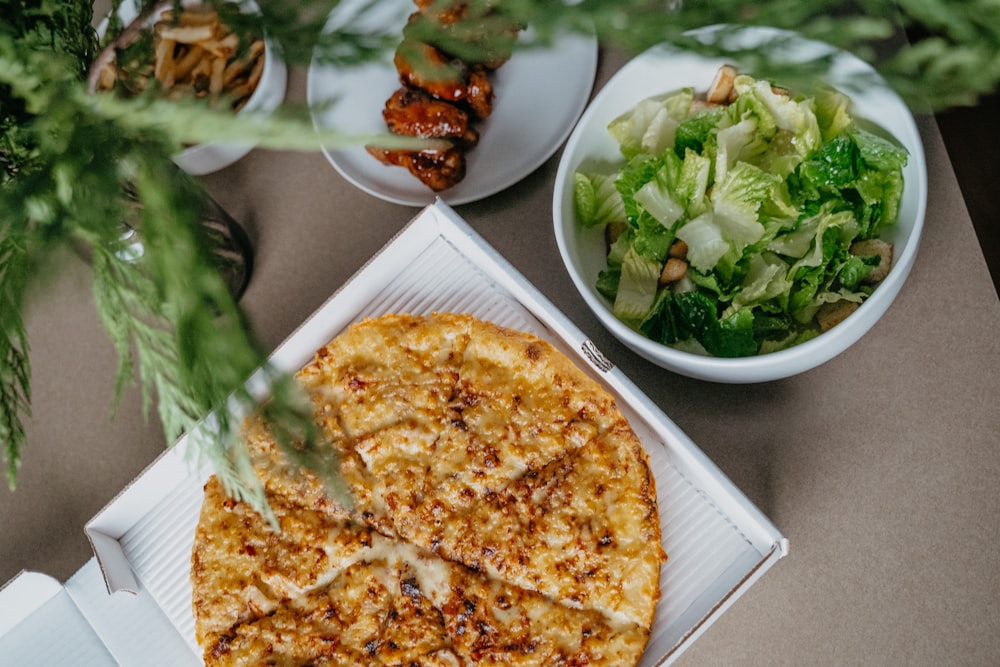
[[437, 169], [479, 93], [422, 66], [415, 113], [448, 51], [477, 37]]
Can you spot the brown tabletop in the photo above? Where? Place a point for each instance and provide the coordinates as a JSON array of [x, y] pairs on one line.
[[880, 466]]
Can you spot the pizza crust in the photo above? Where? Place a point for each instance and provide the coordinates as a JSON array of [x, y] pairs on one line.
[[504, 513]]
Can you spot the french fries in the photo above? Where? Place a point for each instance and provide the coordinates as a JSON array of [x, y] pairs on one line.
[[194, 53]]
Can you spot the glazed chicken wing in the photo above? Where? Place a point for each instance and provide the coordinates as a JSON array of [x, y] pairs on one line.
[[415, 113], [426, 68], [479, 93], [437, 169], [479, 36], [422, 66], [448, 51]]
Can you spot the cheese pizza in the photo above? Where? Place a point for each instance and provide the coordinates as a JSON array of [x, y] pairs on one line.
[[503, 513]]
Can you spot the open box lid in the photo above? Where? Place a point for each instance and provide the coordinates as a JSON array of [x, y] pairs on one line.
[[718, 543], [45, 622]]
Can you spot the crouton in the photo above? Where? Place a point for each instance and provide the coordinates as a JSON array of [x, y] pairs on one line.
[[831, 314], [674, 269], [722, 85], [873, 248]]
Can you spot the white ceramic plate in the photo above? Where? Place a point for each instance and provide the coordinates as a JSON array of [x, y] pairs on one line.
[[664, 69], [540, 94]]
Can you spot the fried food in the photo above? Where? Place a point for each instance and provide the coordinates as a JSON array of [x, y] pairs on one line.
[[445, 61], [438, 169], [415, 113], [193, 54], [426, 68]]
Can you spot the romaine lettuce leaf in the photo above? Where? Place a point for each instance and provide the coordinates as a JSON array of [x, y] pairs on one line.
[[739, 142], [650, 126], [656, 195], [749, 105], [736, 199], [636, 287], [638, 171], [651, 239], [828, 237], [617, 250], [703, 237], [877, 152], [596, 200], [834, 167], [880, 184], [861, 171], [766, 279], [832, 113], [796, 242], [794, 116], [854, 269], [607, 282], [693, 133], [692, 315], [692, 183]]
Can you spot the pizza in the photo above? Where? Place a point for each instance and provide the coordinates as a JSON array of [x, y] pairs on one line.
[[503, 513]]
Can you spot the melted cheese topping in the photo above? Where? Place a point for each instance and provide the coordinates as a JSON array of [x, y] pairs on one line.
[[504, 514]]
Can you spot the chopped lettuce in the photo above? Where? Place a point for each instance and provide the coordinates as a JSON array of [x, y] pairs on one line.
[[796, 117], [651, 125], [767, 193], [656, 196], [736, 199], [693, 316], [695, 132], [692, 183], [832, 113], [704, 240], [860, 171], [636, 286], [596, 200]]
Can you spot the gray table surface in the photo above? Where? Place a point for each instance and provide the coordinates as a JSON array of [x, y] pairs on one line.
[[880, 466]]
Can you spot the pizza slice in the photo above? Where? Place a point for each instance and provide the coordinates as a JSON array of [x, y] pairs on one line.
[[414, 632], [493, 622], [386, 371], [338, 624], [504, 404], [242, 569], [583, 530]]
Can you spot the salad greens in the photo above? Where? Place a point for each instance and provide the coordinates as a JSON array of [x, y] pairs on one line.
[[768, 192]]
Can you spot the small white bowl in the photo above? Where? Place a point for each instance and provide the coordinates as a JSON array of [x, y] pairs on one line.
[[267, 96], [664, 69]]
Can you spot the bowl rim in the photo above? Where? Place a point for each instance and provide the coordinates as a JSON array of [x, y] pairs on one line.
[[773, 365]]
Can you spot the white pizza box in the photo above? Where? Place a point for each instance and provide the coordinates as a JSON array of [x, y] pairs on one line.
[[718, 542]]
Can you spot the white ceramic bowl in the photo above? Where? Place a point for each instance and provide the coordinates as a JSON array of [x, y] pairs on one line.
[[266, 97], [664, 69]]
